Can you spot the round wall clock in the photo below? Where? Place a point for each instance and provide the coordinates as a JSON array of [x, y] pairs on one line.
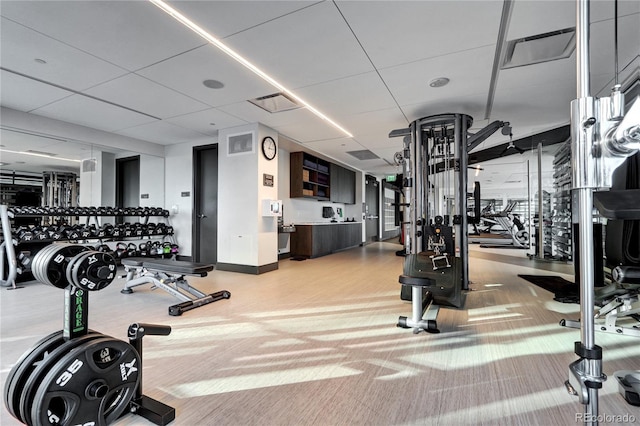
[[269, 148]]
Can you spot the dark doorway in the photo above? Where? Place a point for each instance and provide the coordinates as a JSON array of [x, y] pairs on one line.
[[371, 213], [127, 183], [205, 204]]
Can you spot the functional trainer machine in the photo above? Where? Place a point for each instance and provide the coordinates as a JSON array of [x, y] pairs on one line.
[[435, 161], [169, 275], [602, 137]]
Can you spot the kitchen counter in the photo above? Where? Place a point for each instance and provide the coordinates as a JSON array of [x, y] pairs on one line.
[[326, 223], [315, 239]]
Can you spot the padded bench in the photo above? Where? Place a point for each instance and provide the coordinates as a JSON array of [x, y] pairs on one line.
[[169, 275]]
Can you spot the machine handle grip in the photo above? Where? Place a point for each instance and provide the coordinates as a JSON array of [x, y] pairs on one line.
[[138, 330]]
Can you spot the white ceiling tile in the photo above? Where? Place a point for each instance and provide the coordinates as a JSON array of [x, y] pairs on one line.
[[201, 121], [17, 140], [374, 126], [161, 132], [186, 72], [469, 74], [253, 114], [309, 46], [78, 109], [530, 18], [602, 44], [398, 32], [131, 34], [349, 95], [24, 94], [309, 130], [65, 65], [143, 95], [224, 18]]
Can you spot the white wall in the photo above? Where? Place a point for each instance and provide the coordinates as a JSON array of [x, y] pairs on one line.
[[152, 180], [178, 180], [98, 188], [245, 237]]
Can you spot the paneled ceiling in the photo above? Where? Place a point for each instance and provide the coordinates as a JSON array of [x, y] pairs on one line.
[[128, 68]]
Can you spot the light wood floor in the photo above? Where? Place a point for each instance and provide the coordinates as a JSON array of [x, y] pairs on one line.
[[315, 343]]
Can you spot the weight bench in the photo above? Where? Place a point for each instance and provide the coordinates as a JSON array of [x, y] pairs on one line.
[[169, 275]]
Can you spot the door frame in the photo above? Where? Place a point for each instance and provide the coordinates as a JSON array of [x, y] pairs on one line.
[[195, 224], [376, 202]]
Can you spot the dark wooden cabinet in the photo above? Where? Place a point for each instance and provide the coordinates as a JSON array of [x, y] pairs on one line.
[[343, 185], [313, 177], [309, 177], [319, 240]]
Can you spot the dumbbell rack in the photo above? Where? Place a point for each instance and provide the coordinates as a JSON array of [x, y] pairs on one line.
[[14, 255]]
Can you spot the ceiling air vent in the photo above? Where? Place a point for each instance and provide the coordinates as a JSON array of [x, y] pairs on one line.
[[276, 102], [540, 48], [89, 166], [363, 154]]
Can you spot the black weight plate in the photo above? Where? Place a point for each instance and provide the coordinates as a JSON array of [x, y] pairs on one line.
[[54, 267], [93, 270], [41, 369], [24, 366], [92, 384]]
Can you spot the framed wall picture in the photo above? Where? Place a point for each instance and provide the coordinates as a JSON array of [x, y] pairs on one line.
[[241, 143]]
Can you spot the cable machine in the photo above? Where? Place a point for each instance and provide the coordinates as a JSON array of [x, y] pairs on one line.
[[436, 267]]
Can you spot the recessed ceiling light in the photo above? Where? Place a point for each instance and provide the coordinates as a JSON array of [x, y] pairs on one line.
[[213, 84], [439, 82], [40, 61]]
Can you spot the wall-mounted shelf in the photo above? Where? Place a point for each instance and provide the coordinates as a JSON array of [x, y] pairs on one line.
[[310, 177]]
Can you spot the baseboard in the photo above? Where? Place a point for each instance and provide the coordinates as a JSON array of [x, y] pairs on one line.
[[247, 269]]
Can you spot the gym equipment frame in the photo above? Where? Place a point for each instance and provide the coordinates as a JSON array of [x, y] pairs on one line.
[[602, 137], [169, 276], [435, 161]]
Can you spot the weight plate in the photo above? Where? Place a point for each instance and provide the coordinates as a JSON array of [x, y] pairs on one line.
[[53, 267], [19, 373], [92, 384], [38, 270], [92, 271], [40, 369], [23, 368]]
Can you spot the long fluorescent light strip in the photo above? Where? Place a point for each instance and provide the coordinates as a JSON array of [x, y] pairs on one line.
[[226, 49], [41, 155]]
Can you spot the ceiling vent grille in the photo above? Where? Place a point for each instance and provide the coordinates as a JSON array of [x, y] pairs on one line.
[[363, 154], [540, 48], [276, 102], [89, 165]]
